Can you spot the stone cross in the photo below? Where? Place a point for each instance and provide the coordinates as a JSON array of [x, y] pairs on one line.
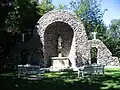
[[94, 35]]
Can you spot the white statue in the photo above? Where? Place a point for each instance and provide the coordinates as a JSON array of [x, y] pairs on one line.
[[59, 46]]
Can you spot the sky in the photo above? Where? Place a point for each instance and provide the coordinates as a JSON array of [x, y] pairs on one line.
[[113, 11], [112, 6]]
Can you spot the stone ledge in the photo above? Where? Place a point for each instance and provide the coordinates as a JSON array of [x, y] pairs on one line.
[[60, 58]]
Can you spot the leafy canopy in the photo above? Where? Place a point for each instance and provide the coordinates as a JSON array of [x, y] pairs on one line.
[[90, 13]]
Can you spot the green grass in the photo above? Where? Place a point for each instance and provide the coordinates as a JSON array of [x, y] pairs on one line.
[[63, 81], [112, 79]]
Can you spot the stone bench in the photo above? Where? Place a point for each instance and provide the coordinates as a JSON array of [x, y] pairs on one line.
[[91, 69], [29, 72]]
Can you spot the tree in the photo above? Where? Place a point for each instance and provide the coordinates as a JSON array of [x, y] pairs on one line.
[[114, 28], [21, 13], [113, 41], [62, 7], [21, 18], [5, 6], [4, 9], [46, 6], [24, 15], [90, 14]]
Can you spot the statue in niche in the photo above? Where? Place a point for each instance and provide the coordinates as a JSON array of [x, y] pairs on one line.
[[59, 46]]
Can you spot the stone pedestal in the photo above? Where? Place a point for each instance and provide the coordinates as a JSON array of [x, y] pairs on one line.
[[60, 62]]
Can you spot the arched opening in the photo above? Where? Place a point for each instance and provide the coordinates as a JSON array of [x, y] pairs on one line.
[[93, 52], [57, 41], [24, 56]]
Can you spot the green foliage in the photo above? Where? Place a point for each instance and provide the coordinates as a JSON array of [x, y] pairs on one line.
[[12, 20], [113, 40], [113, 37], [90, 13], [62, 7], [4, 9], [114, 28], [114, 46], [24, 15], [45, 6], [17, 17], [21, 13]]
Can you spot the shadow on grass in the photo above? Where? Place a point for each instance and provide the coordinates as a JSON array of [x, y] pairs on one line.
[[61, 81]]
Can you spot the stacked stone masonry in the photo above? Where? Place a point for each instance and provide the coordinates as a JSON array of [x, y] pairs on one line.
[[75, 43]]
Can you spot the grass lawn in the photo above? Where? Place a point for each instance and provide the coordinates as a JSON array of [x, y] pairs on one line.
[[63, 81]]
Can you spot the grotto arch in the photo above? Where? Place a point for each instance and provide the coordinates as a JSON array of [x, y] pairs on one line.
[[104, 56], [68, 20], [41, 48], [51, 40]]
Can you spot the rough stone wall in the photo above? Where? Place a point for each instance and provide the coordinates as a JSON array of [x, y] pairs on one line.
[[75, 44], [76, 25], [80, 42], [104, 56]]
